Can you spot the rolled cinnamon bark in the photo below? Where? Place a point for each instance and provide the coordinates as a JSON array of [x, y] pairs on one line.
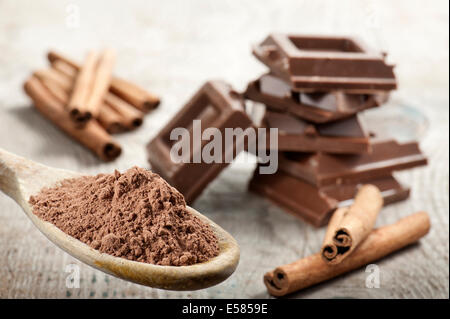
[[350, 226], [329, 249], [111, 120], [381, 242], [54, 56], [65, 68], [100, 85], [132, 117], [54, 76], [57, 91], [125, 114], [130, 92], [84, 82], [92, 135], [134, 94]]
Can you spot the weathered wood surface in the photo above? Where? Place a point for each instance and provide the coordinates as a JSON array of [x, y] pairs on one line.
[[172, 48]]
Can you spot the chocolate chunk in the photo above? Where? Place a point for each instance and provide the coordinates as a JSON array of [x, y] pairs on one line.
[[216, 105], [313, 204], [323, 63], [320, 107], [325, 169], [294, 134]]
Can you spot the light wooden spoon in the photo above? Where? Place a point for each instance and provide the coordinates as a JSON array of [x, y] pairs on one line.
[[20, 178]]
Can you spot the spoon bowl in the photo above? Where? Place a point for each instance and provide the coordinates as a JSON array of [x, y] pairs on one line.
[[21, 178]]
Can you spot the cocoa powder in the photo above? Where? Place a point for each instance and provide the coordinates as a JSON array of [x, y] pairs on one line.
[[135, 215]]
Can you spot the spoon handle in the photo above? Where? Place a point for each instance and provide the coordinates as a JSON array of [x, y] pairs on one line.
[[21, 177], [9, 164]]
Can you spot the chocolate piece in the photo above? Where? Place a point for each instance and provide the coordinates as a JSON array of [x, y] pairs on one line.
[[325, 169], [318, 107], [315, 205], [216, 105], [323, 63], [294, 134]]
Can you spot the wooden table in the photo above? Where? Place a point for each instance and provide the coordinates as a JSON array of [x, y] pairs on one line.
[[172, 48]]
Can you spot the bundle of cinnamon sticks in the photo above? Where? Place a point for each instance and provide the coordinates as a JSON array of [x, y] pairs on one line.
[[350, 242], [87, 102]]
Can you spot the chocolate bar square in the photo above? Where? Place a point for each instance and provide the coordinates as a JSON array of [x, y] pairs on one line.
[[319, 107], [316, 204], [346, 136], [323, 169], [323, 63], [216, 105]]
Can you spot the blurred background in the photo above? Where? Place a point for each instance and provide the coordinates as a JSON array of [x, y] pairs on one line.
[[171, 48]]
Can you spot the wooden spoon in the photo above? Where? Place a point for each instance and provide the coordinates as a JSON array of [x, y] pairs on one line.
[[20, 178]]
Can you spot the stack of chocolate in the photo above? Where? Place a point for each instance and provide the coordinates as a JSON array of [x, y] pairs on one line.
[[312, 94]]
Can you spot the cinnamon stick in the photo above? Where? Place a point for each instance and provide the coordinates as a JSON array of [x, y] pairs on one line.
[[111, 120], [130, 92], [381, 242], [101, 82], [57, 91], [65, 68], [131, 117], [350, 226], [54, 76], [84, 80], [134, 94], [92, 135], [329, 249]]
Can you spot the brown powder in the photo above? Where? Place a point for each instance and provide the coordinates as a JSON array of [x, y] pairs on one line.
[[135, 215]]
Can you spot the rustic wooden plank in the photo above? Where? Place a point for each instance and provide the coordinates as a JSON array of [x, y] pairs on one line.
[[177, 47]]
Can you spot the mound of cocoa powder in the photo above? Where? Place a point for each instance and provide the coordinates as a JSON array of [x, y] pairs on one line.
[[134, 215]]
